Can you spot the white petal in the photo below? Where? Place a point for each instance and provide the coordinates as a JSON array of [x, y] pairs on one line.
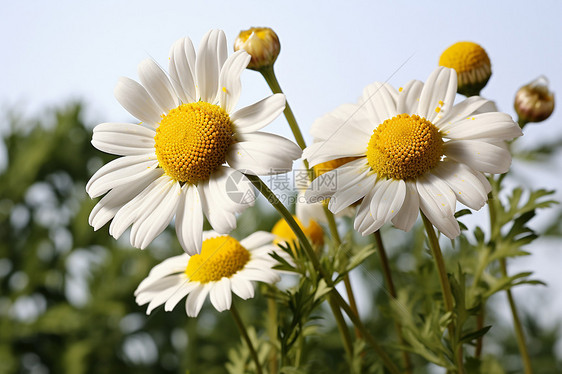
[[353, 144], [309, 211], [438, 94], [256, 116], [437, 202], [385, 201], [163, 296], [229, 79], [121, 171], [465, 184], [136, 100], [380, 101], [326, 185], [131, 211], [182, 69], [364, 221], [180, 293], [479, 155], [389, 200], [210, 234], [408, 213], [154, 218], [350, 189], [482, 178], [158, 85], [409, 97], [498, 126], [123, 139], [257, 239], [465, 108], [260, 153], [148, 292], [110, 204], [264, 275], [217, 204], [196, 299], [221, 295], [343, 120], [210, 58], [171, 266], [189, 219], [242, 288]]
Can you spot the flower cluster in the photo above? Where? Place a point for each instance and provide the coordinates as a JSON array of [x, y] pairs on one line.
[[394, 155]]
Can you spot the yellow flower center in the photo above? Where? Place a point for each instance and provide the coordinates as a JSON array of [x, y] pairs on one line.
[[404, 147], [313, 232], [192, 141], [220, 257], [327, 166], [464, 56]]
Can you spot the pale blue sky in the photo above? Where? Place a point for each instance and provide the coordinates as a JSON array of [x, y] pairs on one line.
[[58, 51]]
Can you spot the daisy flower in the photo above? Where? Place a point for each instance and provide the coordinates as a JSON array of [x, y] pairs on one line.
[[190, 145], [225, 266], [415, 150]]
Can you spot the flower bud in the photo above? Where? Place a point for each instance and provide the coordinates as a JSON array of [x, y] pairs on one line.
[[534, 102], [472, 65], [261, 43]]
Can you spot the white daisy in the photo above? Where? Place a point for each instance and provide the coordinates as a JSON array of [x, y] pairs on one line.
[[416, 150], [223, 267], [190, 146]]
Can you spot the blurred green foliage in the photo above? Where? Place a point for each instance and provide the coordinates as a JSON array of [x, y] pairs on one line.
[[66, 292]]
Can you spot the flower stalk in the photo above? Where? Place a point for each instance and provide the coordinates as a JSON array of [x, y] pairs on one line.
[[392, 291], [269, 75], [246, 337], [305, 244], [445, 288]]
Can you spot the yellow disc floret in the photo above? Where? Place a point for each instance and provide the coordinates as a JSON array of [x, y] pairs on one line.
[[284, 233], [404, 147], [192, 141], [472, 65], [220, 257]]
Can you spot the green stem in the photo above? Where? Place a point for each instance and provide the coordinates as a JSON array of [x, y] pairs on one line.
[[346, 281], [269, 75], [445, 288], [480, 318], [520, 335], [246, 337], [342, 327], [271, 79], [272, 332], [274, 201], [332, 224], [387, 362], [278, 205], [390, 285]]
